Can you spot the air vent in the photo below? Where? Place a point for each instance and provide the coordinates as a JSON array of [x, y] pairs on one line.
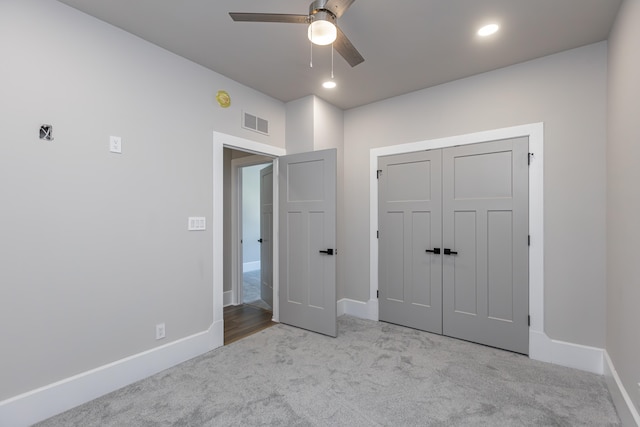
[[255, 123]]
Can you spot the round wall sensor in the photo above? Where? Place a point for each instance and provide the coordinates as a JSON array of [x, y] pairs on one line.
[[223, 98]]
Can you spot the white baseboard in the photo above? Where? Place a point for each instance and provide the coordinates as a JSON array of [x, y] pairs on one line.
[[363, 310], [624, 405], [250, 266], [585, 358], [44, 402], [227, 298]]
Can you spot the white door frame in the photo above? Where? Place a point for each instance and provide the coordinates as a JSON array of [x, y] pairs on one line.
[[221, 140], [236, 222], [538, 346]]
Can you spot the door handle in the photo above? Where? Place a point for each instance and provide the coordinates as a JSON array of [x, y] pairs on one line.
[[328, 252], [435, 251], [449, 252], [259, 240]]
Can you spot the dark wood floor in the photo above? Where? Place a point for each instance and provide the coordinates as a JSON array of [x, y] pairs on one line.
[[243, 320]]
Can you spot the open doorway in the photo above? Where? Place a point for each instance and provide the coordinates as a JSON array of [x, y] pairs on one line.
[[248, 266], [256, 217], [316, 290]]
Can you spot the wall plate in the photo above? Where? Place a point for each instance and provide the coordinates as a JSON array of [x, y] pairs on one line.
[[115, 144], [197, 223]]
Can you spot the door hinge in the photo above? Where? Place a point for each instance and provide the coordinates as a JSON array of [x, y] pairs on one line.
[[378, 294], [378, 173], [529, 320], [377, 234], [529, 157], [529, 240]]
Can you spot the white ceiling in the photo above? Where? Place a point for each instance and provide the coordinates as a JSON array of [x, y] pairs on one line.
[[407, 44]]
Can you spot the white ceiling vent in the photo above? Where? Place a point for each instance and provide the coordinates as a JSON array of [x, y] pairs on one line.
[[255, 123]]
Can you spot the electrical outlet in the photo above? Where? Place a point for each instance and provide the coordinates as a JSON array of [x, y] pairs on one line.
[[160, 331], [115, 144]]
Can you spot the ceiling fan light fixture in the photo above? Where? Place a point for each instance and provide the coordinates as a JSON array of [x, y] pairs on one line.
[[322, 30]]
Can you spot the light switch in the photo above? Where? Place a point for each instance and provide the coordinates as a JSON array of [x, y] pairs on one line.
[[197, 223], [115, 144]]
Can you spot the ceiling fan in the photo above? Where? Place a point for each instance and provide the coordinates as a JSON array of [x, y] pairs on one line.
[[322, 18]]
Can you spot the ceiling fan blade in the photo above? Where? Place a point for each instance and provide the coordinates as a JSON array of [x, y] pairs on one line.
[[338, 7], [344, 47], [269, 17]]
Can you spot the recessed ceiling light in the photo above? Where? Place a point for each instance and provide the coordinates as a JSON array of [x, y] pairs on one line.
[[329, 84], [487, 30]]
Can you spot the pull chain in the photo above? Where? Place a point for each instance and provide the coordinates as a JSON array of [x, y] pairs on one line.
[[332, 61], [311, 48]]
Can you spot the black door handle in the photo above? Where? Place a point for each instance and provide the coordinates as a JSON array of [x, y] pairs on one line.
[[259, 240], [449, 252], [435, 251], [328, 252]]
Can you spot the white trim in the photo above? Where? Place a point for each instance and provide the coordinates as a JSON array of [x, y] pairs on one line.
[[275, 256], [251, 266], [228, 299], [624, 405], [563, 353], [535, 133], [363, 310], [247, 145], [220, 141], [44, 402]]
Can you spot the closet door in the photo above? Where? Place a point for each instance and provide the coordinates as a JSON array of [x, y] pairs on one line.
[[410, 215], [485, 232]]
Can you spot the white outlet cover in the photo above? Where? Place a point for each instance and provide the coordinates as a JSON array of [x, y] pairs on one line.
[[160, 331], [115, 144]]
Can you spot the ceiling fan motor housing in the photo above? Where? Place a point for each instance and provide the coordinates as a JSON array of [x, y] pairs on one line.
[[323, 15], [317, 11]]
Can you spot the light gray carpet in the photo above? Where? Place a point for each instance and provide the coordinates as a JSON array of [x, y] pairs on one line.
[[251, 290], [373, 374]]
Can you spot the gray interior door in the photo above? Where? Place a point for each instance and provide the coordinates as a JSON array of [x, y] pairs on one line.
[[471, 203], [410, 239], [307, 221], [485, 226], [266, 234]]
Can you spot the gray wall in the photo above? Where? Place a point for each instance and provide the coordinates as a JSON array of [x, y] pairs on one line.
[[94, 248], [567, 92], [623, 201], [299, 129]]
